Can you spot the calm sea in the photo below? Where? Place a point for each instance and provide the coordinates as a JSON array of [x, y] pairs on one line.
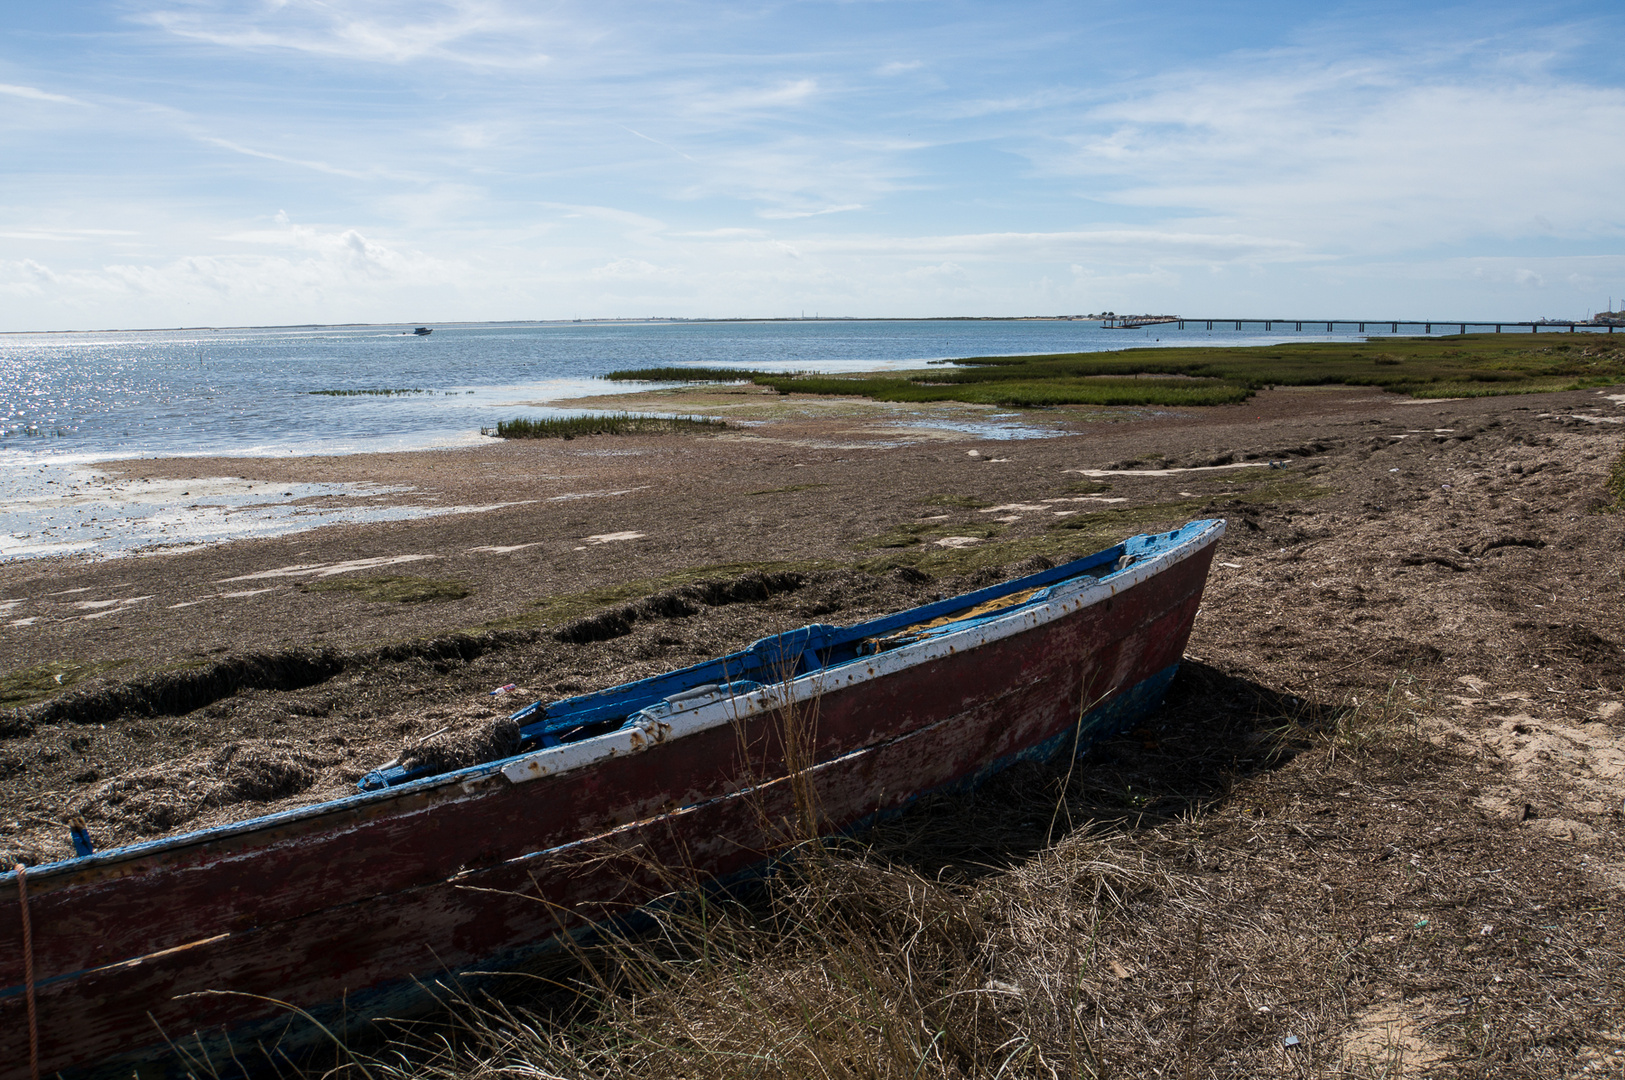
[[68, 400], [250, 392]]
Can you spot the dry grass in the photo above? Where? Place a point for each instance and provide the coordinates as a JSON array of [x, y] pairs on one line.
[[394, 588], [1252, 884]]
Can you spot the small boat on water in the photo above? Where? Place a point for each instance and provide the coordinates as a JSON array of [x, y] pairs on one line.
[[349, 909], [423, 331]]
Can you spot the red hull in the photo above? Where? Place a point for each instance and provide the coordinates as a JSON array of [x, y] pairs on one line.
[[332, 905]]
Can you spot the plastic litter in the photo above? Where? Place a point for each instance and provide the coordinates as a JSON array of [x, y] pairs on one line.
[[503, 689]]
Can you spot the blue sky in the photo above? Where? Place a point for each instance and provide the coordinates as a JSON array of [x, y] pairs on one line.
[[193, 162]]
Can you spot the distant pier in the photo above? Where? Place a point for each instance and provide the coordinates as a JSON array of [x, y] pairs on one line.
[[1356, 326]]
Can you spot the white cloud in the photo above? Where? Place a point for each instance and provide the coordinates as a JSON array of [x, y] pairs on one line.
[[724, 234], [318, 166], [68, 235], [326, 270], [475, 32], [753, 99], [939, 272], [34, 94], [724, 158], [627, 268], [1361, 156], [785, 213], [1110, 244]]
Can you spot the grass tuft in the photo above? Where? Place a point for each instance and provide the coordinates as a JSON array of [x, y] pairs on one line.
[[1616, 482], [32, 684], [571, 427]]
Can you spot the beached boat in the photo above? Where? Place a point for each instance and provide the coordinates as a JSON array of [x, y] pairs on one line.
[[348, 909]]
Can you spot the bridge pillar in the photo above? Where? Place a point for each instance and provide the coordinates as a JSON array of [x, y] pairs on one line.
[[1497, 328], [1328, 328], [1300, 326], [1429, 329], [1210, 324], [1238, 324], [1362, 328], [1395, 330], [1464, 328]]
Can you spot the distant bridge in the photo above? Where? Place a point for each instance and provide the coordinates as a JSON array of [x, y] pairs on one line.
[[1356, 326]]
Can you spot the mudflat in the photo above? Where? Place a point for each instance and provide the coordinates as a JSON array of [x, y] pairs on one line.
[[1461, 545], [1381, 807]]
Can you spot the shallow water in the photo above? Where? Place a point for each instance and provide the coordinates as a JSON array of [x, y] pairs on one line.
[[69, 400], [250, 392]]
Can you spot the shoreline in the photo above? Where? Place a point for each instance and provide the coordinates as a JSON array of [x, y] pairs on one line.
[[519, 520], [374, 487]]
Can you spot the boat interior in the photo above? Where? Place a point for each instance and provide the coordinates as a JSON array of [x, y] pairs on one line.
[[793, 654]]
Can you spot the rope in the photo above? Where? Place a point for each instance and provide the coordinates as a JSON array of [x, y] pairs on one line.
[[28, 973]]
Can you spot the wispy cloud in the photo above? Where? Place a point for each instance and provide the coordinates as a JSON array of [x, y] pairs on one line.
[[318, 166], [753, 99], [657, 142], [786, 214], [35, 94], [1365, 155], [474, 32], [1197, 247], [697, 156]]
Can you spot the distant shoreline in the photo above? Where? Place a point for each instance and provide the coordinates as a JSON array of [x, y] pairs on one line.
[[1588, 324], [668, 320]]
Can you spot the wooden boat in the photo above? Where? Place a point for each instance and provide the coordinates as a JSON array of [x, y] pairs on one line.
[[349, 908]]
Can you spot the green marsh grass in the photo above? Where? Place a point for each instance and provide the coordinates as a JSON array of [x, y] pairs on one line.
[[1471, 365], [573, 427], [367, 393], [1037, 390], [911, 533], [686, 374]]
